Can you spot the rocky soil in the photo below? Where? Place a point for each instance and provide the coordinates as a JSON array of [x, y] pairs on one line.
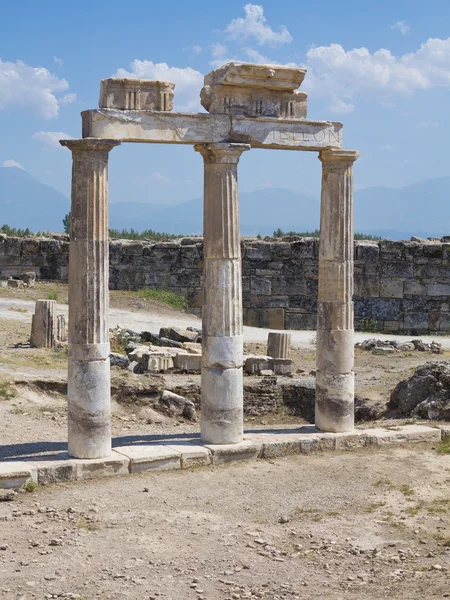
[[355, 525]]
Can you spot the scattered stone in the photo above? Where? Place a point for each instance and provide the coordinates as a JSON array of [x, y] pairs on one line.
[[119, 360], [177, 406], [7, 495]]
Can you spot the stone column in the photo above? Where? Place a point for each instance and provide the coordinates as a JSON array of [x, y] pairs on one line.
[[222, 354], [89, 377], [43, 324], [335, 344]]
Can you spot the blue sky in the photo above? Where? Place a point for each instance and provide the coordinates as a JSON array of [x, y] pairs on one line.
[[381, 67]]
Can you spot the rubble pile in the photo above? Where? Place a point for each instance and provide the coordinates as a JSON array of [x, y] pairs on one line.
[[179, 351], [390, 346]]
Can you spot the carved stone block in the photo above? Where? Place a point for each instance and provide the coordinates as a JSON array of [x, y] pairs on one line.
[[136, 94], [244, 89]]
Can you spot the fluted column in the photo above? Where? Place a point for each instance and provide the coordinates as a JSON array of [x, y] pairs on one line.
[[222, 354], [335, 344], [89, 423]]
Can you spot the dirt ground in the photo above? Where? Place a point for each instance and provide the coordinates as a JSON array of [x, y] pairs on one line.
[[355, 525]]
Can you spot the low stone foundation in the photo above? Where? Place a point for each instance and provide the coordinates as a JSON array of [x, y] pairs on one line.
[[400, 287]]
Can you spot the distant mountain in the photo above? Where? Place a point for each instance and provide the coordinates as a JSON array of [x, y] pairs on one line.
[[25, 202], [421, 209], [261, 212]]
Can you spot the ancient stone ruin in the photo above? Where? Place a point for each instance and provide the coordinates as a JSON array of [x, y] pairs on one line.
[[250, 106]]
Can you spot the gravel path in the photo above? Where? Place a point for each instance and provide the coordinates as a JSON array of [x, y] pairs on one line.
[[152, 321]]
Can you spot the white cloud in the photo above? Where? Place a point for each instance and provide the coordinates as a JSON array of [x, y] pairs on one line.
[[51, 138], [30, 88], [196, 49], [160, 178], [256, 57], [12, 163], [68, 99], [58, 61], [428, 124], [388, 147], [346, 75], [340, 106], [403, 27], [188, 81], [254, 25]]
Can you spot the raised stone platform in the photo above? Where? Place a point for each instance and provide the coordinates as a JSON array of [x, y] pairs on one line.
[[187, 451]]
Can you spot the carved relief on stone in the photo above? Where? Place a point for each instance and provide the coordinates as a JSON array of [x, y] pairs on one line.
[[136, 94], [255, 91]]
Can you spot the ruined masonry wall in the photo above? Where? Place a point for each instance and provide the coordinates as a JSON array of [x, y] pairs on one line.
[[403, 286]]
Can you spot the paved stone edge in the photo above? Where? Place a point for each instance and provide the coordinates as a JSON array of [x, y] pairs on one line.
[[162, 457]]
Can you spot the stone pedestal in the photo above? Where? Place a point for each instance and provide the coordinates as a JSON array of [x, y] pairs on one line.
[[43, 324], [335, 344], [279, 345], [89, 371], [222, 362]]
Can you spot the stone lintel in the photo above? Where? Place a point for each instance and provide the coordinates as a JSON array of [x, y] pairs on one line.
[[186, 128]]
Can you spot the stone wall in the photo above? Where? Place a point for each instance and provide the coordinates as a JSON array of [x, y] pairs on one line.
[[403, 286]]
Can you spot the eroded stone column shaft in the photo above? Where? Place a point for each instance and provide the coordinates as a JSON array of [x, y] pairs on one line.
[[222, 354], [89, 422], [335, 344]]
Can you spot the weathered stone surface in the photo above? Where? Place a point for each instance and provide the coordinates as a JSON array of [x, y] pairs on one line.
[[136, 94], [425, 394], [255, 91]]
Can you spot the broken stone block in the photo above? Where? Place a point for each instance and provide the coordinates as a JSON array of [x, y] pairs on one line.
[[266, 373], [188, 362], [136, 94], [250, 90], [192, 347], [177, 406], [119, 360], [28, 278], [16, 283], [177, 334], [282, 366], [157, 362], [253, 365]]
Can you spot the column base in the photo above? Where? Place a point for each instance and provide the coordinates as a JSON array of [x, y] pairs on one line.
[[222, 406], [335, 402], [88, 409]]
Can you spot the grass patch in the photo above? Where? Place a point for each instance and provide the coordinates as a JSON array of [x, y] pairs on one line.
[[53, 295], [384, 481], [446, 544], [414, 510], [83, 523], [7, 390], [443, 447], [372, 507], [165, 297], [406, 490], [30, 486]]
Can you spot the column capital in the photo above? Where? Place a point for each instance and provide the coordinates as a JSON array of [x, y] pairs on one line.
[[90, 144], [222, 152], [338, 156]]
